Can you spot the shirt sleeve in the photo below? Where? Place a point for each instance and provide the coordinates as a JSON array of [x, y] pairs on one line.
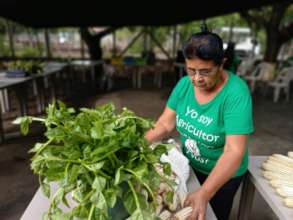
[[238, 115], [176, 93]]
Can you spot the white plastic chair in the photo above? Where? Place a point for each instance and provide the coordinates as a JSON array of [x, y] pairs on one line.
[[282, 81], [245, 67], [254, 76], [107, 78]]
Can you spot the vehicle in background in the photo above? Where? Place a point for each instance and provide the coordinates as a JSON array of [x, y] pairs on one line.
[[245, 43]]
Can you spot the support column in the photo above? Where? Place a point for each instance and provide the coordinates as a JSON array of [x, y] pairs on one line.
[[47, 42]]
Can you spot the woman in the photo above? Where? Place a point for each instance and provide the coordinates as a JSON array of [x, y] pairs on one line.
[[212, 111]]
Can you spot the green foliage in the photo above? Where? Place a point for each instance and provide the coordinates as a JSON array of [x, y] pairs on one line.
[[98, 157], [30, 67], [4, 46]]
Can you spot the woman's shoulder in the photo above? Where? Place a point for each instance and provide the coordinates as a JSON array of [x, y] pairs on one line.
[[237, 85]]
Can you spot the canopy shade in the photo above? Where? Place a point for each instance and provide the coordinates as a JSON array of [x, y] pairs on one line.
[[82, 13]]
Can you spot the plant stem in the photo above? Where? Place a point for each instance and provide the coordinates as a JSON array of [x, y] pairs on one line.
[[143, 183], [134, 194], [91, 212]]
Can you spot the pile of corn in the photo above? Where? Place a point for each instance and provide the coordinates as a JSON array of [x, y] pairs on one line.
[[278, 170], [171, 210]]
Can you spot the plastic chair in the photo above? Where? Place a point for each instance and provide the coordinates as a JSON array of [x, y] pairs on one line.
[[282, 81], [245, 67], [257, 75]]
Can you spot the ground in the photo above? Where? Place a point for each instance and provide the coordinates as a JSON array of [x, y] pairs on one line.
[[273, 134]]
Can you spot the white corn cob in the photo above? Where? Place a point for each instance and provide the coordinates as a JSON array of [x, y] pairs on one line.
[[289, 202], [159, 209], [273, 175], [285, 191], [173, 206], [165, 215], [290, 154], [183, 213], [182, 197], [279, 165], [159, 201], [280, 182], [277, 168], [284, 158], [279, 161]]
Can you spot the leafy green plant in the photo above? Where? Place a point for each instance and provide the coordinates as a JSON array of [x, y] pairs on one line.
[[30, 67], [98, 157]]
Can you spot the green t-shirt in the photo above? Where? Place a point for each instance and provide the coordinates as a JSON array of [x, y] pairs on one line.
[[203, 127]]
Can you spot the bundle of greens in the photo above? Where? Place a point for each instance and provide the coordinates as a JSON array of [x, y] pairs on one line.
[[97, 157]]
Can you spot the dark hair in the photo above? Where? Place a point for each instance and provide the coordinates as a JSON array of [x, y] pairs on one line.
[[204, 45]]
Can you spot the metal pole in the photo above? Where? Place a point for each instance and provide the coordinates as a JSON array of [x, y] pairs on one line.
[[114, 44], [11, 38], [81, 45], [174, 41], [47, 42]]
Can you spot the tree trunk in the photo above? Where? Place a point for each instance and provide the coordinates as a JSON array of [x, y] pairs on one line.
[[93, 41], [95, 49], [273, 44]]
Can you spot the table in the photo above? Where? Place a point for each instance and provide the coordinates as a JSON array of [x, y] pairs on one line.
[[88, 63], [39, 204], [255, 181], [19, 86]]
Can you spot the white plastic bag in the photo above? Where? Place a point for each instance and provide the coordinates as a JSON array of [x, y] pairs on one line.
[[179, 165]]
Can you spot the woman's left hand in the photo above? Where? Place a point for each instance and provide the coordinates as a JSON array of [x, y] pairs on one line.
[[198, 200]]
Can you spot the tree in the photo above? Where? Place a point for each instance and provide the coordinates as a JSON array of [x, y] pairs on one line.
[[278, 28], [93, 41]]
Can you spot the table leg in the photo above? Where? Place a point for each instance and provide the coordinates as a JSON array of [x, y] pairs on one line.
[[246, 199], [1, 127], [93, 76], [134, 78]]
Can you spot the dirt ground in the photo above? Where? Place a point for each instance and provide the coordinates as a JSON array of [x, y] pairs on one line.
[[273, 134]]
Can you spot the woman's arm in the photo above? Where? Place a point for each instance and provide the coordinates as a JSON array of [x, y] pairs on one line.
[[164, 125], [225, 168]]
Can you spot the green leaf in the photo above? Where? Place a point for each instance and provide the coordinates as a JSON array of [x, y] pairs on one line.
[[111, 197], [160, 149], [24, 124], [167, 169], [99, 183], [97, 130], [99, 200], [129, 202], [45, 186], [96, 166]]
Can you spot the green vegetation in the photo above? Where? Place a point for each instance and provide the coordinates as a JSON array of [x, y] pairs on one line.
[[99, 158]]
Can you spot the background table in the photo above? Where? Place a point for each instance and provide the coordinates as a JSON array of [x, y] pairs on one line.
[[255, 181]]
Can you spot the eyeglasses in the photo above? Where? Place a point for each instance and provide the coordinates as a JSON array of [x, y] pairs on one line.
[[202, 72]]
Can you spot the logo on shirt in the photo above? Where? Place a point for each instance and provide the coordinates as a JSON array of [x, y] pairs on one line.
[[191, 146]]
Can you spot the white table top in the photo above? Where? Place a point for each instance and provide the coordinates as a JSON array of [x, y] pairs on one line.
[[267, 192], [39, 204], [10, 81], [87, 62]]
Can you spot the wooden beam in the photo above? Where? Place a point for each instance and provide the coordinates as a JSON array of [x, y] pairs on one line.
[[153, 38], [131, 43], [174, 41], [114, 44], [11, 38], [47, 43], [81, 45]]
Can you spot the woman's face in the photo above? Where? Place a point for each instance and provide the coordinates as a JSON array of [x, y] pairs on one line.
[[205, 75]]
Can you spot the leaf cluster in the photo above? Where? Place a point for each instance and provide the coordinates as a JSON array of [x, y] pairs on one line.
[[97, 158]]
